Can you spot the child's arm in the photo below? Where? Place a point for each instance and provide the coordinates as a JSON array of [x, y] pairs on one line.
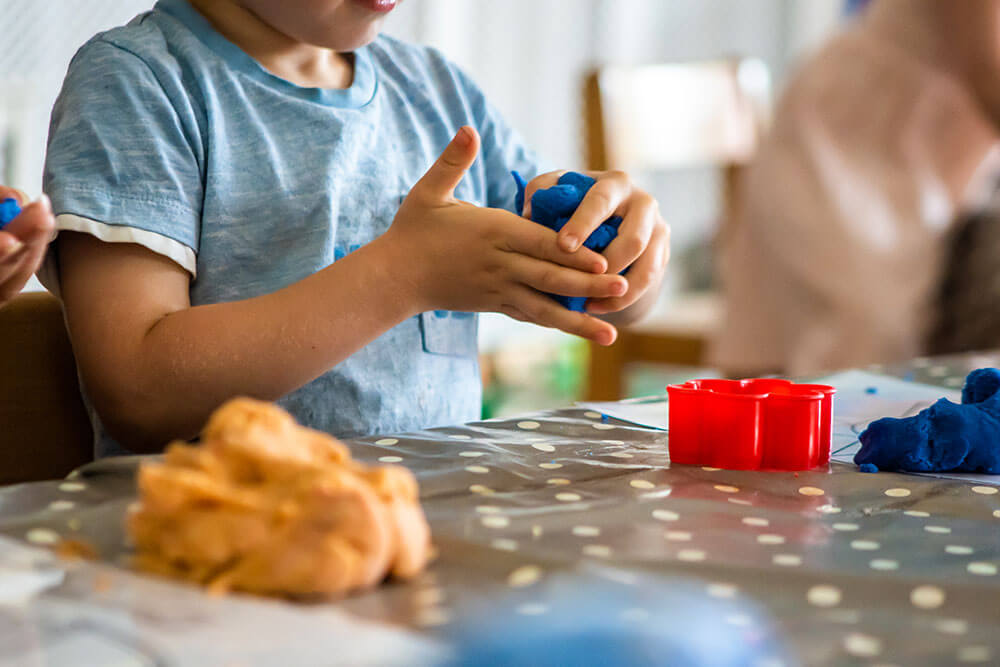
[[155, 366], [642, 244]]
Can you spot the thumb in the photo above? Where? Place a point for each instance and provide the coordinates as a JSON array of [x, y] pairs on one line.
[[34, 224], [444, 175]]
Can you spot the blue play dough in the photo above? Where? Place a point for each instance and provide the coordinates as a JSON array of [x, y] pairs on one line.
[[945, 437], [553, 207], [868, 467], [8, 211]]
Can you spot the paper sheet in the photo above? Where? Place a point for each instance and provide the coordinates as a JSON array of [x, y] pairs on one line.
[[862, 397]]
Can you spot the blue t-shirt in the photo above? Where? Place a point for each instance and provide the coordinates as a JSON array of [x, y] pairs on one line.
[[168, 135]]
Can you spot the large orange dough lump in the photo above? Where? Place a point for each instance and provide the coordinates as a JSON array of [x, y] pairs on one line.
[[266, 506]]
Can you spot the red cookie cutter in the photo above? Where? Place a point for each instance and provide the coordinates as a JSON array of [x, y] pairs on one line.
[[750, 424]]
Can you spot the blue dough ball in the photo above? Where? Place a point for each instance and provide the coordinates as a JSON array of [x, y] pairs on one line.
[[946, 437], [868, 467], [8, 211], [553, 207]]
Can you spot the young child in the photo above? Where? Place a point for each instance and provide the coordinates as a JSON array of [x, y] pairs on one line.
[[242, 209]]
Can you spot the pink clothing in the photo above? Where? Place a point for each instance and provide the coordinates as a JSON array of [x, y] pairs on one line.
[[837, 257]]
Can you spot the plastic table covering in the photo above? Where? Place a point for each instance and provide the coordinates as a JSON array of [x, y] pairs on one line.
[[542, 521]]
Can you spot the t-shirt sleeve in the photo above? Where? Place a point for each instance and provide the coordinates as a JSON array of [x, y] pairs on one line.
[[123, 159]]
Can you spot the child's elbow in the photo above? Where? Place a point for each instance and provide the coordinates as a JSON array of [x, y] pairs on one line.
[[141, 422]]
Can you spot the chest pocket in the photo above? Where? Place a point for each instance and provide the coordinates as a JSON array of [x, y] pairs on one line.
[[449, 333]]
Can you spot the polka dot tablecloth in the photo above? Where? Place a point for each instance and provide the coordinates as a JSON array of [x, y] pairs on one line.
[[820, 567]]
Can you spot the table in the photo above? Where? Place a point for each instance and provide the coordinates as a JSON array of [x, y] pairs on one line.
[[545, 523]]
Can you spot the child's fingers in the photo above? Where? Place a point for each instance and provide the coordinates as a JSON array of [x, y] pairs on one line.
[[645, 273], [555, 279], [16, 271], [10, 245], [634, 234], [35, 223], [13, 193], [530, 238], [444, 175], [542, 310], [600, 203], [540, 182]]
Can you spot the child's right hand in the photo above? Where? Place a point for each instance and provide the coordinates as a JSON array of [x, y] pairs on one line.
[[457, 256], [23, 242]]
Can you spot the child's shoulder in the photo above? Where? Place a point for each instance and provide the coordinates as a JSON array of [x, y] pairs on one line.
[[147, 37]]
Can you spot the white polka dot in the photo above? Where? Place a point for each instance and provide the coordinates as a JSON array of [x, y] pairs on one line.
[[568, 497], [787, 560], [550, 466], [586, 531], [390, 459], [387, 442], [710, 469], [811, 491], [557, 481], [479, 470], [481, 490], [884, 564], [536, 531], [597, 550], [429, 597], [42, 536], [917, 513], [938, 530], [621, 455], [770, 539], [722, 590], [828, 509], [460, 436], [996, 513], [985, 490], [61, 505], [974, 654], [739, 501], [471, 455], [524, 576], [592, 414], [951, 626], [613, 442], [528, 425], [845, 527], [865, 545], [641, 484], [897, 492], [725, 488], [603, 427], [982, 569], [493, 521], [927, 597], [823, 596], [433, 616], [755, 521], [677, 536], [691, 555], [665, 515], [532, 609], [958, 550], [544, 447], [504, 545], [72, 487], [862, 646]]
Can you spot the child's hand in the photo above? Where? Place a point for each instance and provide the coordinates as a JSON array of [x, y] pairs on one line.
[[462, 257], [23, 242], [643, 241]]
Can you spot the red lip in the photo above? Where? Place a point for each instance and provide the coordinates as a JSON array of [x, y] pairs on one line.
[[378, 6]]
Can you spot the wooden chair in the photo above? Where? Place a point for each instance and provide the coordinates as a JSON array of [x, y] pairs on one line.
[[44, 429], [658, 117]]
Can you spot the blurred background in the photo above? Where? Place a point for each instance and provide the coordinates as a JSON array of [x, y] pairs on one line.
[[533, 58]]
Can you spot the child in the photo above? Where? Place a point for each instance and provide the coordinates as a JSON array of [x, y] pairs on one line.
[[234, 185]]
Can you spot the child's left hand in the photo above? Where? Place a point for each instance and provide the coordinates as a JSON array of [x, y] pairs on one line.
[[643, 241]]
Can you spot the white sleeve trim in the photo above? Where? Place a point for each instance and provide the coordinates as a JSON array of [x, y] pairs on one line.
[[48, 273]]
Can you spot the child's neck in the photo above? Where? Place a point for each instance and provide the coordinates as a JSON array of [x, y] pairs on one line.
[[302, 64]]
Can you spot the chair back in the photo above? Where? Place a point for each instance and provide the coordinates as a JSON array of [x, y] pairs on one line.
[[44, 429]]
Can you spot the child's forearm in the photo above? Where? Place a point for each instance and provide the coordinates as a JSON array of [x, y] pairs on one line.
[[165, 374]]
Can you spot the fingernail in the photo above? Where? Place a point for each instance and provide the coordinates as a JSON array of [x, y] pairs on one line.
[[464, 136], [619, 288], [569, 243]]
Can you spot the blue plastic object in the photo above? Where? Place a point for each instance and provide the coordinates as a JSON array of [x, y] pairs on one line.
[[8, 211], [553, 207], [946, 437]]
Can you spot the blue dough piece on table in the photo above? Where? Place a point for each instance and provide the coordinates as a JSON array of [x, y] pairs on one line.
[[553, 207], [946, 437], [8, 211]]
